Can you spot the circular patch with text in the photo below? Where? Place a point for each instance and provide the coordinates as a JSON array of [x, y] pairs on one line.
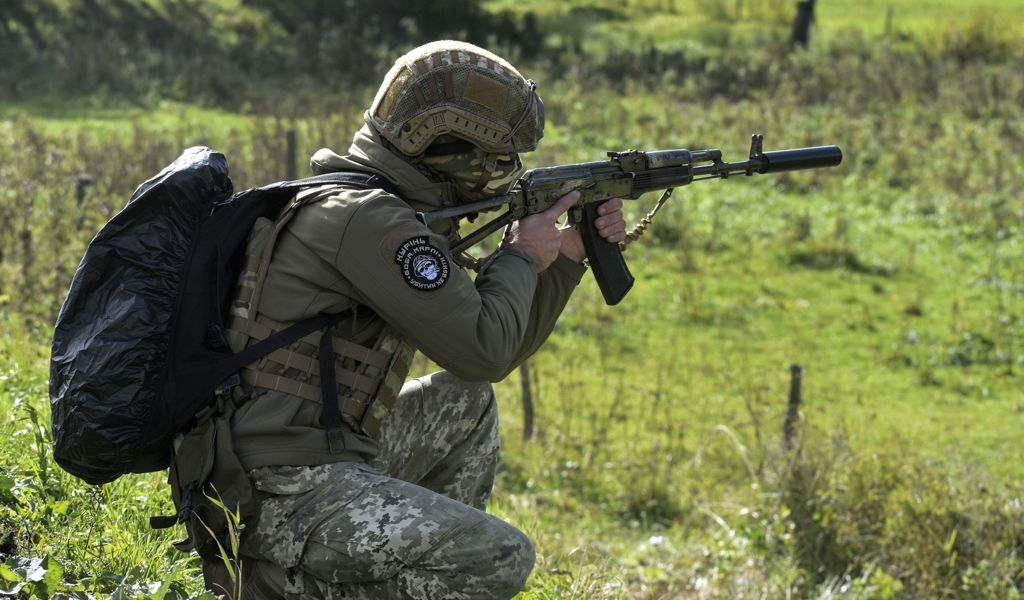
[[424, 266]]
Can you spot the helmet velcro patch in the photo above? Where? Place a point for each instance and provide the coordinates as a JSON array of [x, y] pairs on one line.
[[486, 92]]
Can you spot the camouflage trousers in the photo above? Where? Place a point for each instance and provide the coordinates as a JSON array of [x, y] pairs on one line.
[[409, 525]]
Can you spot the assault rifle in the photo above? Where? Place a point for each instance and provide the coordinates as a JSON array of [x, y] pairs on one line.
[[628, 174]]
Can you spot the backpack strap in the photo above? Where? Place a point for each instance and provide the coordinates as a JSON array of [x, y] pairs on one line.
[[357, 179]]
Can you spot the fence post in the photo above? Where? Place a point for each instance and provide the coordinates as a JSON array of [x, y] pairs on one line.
[[524, 380], [292, 167], [83, 182], [802, 23], [796, 373], [28, 260]]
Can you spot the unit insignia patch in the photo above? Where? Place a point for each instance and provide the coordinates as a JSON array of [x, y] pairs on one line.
[[424, 266]]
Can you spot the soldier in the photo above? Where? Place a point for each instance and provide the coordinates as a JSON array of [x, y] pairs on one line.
[[390, 503]]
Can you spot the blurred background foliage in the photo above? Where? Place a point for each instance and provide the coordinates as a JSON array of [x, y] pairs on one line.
[[245, 53], [225, 52]]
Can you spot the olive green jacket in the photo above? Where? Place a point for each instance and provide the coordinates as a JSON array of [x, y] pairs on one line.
[[342, 251]]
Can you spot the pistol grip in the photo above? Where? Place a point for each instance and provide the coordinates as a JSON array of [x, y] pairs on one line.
[[605, 258]]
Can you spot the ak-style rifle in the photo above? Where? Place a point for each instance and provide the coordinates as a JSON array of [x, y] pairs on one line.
[[627, 174]]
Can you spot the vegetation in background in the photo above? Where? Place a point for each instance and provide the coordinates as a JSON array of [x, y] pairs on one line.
[[229, 52], [657, 469]]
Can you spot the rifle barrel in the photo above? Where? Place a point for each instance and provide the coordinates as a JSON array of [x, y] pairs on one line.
[[802, 158]]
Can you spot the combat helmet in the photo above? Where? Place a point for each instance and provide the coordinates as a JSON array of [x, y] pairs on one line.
[[451, 88]]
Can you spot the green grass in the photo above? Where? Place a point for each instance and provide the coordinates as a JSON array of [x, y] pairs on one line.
[[657, 468], [692, 25]]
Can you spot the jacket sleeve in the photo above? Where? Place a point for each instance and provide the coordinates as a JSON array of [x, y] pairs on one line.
[[554, 287], [478, 330]]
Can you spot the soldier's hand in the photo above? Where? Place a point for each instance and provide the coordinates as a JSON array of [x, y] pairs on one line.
[[610, 224], [538, 235]]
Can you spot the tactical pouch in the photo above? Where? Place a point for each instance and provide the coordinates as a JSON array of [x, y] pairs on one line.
[[209, 486]]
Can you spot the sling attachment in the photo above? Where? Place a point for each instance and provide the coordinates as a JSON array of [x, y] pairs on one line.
[[166, 521], [330, 416], [184, 513], [233, 389]]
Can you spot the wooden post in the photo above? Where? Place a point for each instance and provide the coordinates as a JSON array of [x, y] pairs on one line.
[[28, 260], [796, 373], [802, 23], [292, 166], [60, 239], [82, 182], [524, 380]]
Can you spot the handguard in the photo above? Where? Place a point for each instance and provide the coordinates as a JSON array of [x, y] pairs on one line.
[[605, 258]]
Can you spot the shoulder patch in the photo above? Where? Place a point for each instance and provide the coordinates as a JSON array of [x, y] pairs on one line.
[[424, 266]]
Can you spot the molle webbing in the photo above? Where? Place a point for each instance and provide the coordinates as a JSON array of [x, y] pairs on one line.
[[264, 327], [284, 359], [246, 283], [368, 383]]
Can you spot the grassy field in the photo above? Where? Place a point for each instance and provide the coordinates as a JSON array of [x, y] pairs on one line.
[[658, 467], [692, 25]]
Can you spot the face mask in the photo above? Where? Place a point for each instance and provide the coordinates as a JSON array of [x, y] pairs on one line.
[[469, 172]]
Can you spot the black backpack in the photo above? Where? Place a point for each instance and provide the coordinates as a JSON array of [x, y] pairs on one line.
[[139, 347]]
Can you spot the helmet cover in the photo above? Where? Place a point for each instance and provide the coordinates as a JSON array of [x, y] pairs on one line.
[[451, 87]]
